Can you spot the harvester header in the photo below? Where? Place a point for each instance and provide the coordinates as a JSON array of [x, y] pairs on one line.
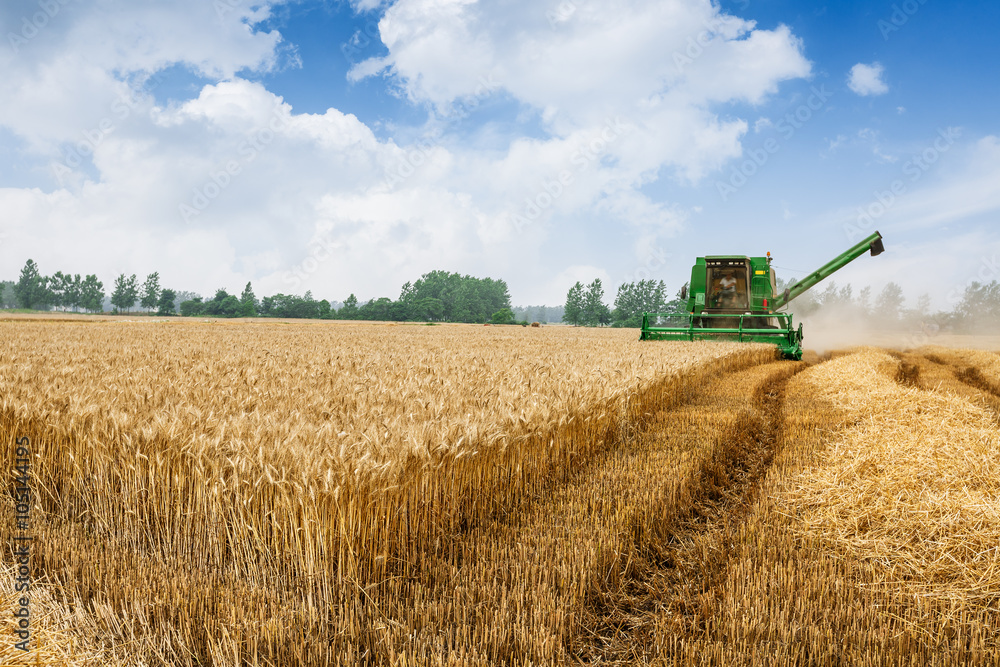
[[736, 298]]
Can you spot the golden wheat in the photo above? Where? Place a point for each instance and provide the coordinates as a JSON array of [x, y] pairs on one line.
[[213, 492], [875, 539], [288, 493]]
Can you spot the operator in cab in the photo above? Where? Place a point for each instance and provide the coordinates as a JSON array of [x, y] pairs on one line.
[[726, 295]]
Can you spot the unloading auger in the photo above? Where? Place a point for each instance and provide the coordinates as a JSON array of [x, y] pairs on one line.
[[735, 298]]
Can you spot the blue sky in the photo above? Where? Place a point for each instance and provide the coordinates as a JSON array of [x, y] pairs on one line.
[[347, 147]]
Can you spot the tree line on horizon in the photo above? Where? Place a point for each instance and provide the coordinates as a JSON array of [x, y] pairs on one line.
[[977, 311], [585, 304], [438, 296]]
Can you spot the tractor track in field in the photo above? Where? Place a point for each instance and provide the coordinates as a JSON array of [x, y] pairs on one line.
[[974, 378], [582, 575], [948, 371], [677, 589], [684, 570], [637, 544], [515, 588]]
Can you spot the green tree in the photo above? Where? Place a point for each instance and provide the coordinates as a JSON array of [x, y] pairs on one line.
[[595, 312], [829, 297], [865, 301], [192, 307], [92, 294], [644, 296], [58, 287], [924, 304], [7, 296], [349, 311], [377, 310], [223, 304], [573, 312], [290, 306], [408, 297], [248, 302], [230, 307], [307, 307], [118, 293], [73, 292], [165, 304], [151, 291], [889, 303], [462, 298], [125, 292], [32, 288], [132, 291], [979, 309], [429, 309], [400, 312], [503, 316]]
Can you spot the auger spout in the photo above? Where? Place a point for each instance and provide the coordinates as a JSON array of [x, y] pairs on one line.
[[873, 243]]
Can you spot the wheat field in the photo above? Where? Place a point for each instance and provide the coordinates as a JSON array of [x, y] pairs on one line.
[[210, 492], [276, 493]]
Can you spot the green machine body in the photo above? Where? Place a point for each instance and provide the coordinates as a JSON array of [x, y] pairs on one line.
[[732, 297]]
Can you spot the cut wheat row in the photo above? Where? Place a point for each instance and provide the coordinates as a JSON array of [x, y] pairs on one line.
[[876, 540]]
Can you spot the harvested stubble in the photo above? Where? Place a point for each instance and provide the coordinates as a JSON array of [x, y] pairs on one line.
[[696, 466], [914, 484], [878, 540], [545, 589], [978, 369], [971, 374], [233, 494], [59, 634]]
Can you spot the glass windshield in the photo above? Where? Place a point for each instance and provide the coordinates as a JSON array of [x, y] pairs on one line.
[[727, 288]]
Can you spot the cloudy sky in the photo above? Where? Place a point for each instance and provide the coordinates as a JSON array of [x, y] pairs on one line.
[[347, 147]]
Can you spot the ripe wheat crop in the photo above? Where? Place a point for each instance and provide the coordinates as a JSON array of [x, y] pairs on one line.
[[265, 492], [286, 493]]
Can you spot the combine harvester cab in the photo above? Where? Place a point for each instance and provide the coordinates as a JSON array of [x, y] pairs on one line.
[[735, 299]]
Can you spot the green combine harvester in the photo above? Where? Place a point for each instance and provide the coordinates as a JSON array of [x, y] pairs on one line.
[[735, 299]]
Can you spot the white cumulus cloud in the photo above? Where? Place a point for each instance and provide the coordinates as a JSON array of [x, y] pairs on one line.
[[867, 79], [235, 185]]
